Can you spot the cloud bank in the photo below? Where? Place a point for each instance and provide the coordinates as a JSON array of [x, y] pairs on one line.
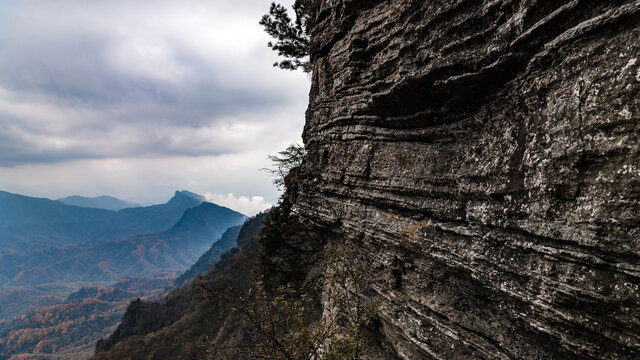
[[243, 204], [89, 83]]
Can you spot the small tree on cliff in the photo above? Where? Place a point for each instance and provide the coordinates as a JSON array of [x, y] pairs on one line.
[[287, 247], [291, 37], [284, 163]]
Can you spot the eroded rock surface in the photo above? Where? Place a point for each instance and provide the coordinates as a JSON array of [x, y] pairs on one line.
[[484, 159]]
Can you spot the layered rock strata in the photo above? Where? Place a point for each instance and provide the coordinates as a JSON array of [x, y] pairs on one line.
[[483, 157]]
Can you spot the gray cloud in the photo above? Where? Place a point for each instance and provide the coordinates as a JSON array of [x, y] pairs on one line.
[[138, 78]]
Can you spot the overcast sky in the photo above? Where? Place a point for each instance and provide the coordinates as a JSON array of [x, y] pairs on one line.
[[138, 98]]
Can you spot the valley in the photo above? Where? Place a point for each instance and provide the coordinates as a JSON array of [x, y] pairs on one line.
[[67, 273]]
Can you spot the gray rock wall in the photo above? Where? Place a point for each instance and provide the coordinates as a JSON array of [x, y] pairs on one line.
[[483, 157]]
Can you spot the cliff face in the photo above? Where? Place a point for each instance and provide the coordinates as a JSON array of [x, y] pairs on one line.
[[483, 157]]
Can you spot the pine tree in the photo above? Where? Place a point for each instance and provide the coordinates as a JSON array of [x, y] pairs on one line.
[[291, 37]]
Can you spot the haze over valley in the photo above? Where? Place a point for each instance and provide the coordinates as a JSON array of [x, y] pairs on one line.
[[68, 272]]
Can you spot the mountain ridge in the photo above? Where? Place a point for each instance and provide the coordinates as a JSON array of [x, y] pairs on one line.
[[17, 210], [210, 257], [33, 223], [172, 250], [98, 202]]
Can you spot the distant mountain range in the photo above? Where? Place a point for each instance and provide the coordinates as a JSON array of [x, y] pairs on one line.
[[165, 252], [59, 262], [70, 327], [28, 224], [99, 202], [18, 210]]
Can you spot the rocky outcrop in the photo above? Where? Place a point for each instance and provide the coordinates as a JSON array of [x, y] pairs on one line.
[[483, 157]]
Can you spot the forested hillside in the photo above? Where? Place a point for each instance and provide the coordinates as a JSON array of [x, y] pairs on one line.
[[69, 330], [189, 324]]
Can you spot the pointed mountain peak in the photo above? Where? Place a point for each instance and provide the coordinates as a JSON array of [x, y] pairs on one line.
[[184, 196]]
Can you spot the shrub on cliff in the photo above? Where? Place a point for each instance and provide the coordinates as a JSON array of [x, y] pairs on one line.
[[289, 249], [285, 165], [288, 322]]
